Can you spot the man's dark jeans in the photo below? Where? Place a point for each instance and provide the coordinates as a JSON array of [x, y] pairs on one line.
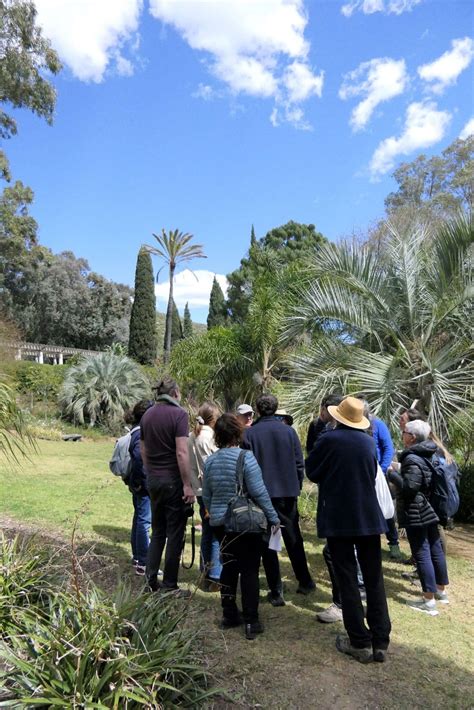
[[287, 509], [168, 522], [240, 554], [369, 554]]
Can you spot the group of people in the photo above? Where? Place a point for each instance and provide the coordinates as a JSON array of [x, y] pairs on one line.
[[346, 446]]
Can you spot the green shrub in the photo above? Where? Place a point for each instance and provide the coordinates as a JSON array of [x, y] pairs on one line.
[[83, 649], [26, 576], [94, 652], [466, 494], [40, 381]]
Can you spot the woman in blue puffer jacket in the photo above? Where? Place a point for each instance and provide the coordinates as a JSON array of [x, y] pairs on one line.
[[240, 553]]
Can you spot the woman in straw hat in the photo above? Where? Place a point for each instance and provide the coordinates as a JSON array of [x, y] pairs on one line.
[[344, 464]]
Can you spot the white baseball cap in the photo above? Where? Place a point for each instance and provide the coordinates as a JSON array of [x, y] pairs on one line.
[[244, 409]]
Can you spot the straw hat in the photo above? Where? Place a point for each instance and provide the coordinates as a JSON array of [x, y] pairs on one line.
[[350, 412], [284, 415]]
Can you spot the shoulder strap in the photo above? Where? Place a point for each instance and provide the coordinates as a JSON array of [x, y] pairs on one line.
[[239, 473]]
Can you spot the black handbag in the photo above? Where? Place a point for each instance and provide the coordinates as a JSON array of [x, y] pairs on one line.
[[243, 515]]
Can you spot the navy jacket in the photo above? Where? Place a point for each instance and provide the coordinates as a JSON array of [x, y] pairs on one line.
[[137, 482], [278, 451], [344, 463]]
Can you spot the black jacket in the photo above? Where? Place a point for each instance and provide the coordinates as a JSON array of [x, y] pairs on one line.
[[137, 481], [413, 486], [278, 451], [344, 464], [315, 428]]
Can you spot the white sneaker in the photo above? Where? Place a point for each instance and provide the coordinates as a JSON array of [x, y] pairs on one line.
[[428, 606], [442, 597], [330, 615]]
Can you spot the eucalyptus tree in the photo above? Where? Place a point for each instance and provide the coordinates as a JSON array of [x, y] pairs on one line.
[[396, 324], [174, 248], [27, 60]]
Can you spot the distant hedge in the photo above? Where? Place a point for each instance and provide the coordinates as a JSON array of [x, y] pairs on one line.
[[41, 381]]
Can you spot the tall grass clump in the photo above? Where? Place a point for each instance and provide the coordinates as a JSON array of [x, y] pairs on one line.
[[73, 648]]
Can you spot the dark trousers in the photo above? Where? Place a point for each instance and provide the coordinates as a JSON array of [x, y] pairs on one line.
[[336, 595], [392, 533], [168, 523], [344, 561], [240, 555], [430, 560], [287, 509]]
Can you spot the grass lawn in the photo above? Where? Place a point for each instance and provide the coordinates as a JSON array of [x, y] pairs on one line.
[[294, 663]]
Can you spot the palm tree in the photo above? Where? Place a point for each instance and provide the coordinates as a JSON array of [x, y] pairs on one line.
[[101, 387], [15, 441], [174, 248], [398, 324]]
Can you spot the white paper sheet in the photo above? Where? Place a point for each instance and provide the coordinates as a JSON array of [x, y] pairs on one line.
[[275, 541]]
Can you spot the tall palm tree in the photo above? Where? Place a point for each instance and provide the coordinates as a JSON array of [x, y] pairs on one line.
[[174, 248], [398, 324]]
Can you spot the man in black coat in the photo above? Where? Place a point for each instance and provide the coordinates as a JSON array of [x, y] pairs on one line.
[[344, 464], [278, 451]]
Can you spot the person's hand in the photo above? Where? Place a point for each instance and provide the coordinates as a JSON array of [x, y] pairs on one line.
[[276, 527], [188, 494]]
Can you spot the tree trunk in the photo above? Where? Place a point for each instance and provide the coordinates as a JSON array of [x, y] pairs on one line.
[[169, 318]]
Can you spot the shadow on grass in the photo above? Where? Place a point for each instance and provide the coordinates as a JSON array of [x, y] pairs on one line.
[[112, 532], [294, 664]]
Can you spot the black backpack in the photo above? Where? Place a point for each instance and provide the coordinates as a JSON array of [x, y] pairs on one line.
[[444, 495]]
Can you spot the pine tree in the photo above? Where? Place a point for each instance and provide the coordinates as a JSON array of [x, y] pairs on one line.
[[142, 342], [217, 306], [187, 323]]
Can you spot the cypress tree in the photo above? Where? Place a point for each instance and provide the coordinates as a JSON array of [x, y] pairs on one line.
[[142, 343], [187, 323], [176, 327], [253, 238], [217, 306]]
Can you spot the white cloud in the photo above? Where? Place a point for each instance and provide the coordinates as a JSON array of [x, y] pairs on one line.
[[424, 126], [91, 35], [188, 289], [368, 7], [445, 70], [255, 48], [468, 129], [378, 80]]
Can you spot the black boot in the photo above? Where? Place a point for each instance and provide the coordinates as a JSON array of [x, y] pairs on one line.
[[251, 630]]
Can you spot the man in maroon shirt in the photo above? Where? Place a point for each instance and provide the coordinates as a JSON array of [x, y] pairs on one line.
[[164, 444]]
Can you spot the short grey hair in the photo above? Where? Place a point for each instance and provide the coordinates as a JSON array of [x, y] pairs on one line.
[[419, 429]]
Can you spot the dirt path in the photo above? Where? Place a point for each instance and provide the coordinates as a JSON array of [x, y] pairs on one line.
[[294, 664]]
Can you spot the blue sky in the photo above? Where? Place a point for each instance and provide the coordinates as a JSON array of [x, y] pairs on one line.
[[209, 116]]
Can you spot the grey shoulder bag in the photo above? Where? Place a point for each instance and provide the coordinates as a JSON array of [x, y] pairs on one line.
[[243, 515]]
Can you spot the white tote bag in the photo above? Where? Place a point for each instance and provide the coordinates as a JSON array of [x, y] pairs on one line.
[[384, 496]]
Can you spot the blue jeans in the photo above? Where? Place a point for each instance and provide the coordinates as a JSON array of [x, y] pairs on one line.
[[141, 523], [426, 548], [210, 554]]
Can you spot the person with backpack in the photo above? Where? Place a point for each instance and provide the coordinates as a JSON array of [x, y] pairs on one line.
[[416, 504], [141, 522]]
